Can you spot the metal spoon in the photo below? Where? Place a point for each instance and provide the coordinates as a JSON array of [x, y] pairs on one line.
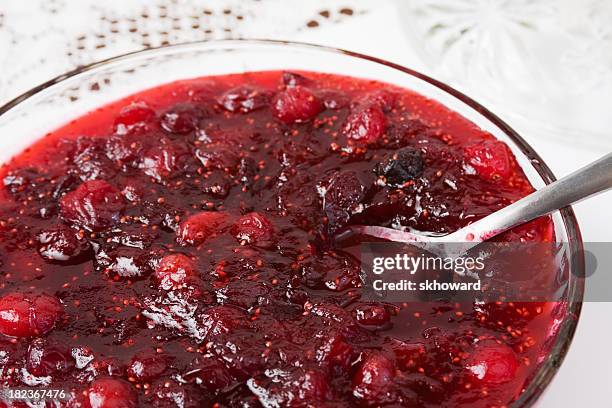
[[589, 180]]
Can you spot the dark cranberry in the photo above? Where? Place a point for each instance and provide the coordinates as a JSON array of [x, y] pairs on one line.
[[335, 351], [92, 161], [404, 165], [147, 366], [133, 118], [25, 315], [218, 157], [173, 271], [208, 373], [181, 119], [253, 228], [123, 149], [490, 159], [492, 363], [222, 319], [94, 205], [408, 355], [296, 105], [46, 360], [342, 198], [373, 316], [297, 388], [367, 124], [110, 392], [162, 161], [199, 227], [374, 377], [244, 99], [62, 245]]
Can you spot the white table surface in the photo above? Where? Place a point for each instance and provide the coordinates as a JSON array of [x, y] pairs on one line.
[[586, 375]]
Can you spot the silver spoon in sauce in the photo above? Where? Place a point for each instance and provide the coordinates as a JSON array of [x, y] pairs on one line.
[[592, 179]]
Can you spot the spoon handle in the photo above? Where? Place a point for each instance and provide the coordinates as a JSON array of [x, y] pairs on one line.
[[585, 182]]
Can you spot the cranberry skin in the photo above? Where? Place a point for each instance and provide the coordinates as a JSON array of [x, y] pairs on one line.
[[173, 271], [196, 229], [46, 360], [209, 373], [491, 159], [373, 316], [133, 118], [492, 363], [181, 119], [24, 315], [374, 377], [108, 392], [296, 105], [252, 228], [244, 99], [94, 205], [147, 365], [367, 124], [61, 245]]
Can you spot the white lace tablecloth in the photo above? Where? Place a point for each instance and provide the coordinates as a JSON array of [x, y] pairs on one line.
[[40, 39]]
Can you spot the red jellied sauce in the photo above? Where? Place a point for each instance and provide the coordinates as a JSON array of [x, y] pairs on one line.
[[174, 249]]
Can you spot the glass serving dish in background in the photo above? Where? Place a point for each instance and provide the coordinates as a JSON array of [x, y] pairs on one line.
[[44, 108], [546, 64]]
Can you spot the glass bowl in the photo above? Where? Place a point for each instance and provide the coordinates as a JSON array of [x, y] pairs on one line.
[[54, 103]]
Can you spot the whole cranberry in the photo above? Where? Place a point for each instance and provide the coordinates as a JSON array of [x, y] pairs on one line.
[[27, 315], [208, 373], [94, 205], [61, 245], [181, 119], [244, 99], [252, 228], [147, 365], [172, 271], [296, 105], [372, 316], [133, 118], [491, 159], [366, 124], [109, 392], [492, 363], [44, 359], [374, 377], [197, 228]]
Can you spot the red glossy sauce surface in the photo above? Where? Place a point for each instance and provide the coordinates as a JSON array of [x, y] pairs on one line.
[[172, 249]]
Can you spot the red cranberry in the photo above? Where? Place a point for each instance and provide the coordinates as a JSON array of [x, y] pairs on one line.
[[46, 360], [492, 363], [291, 79], [222, 319], [61, 245], [133, 118], [218, 157], [181, 119], [173, 271], [385, 99], [209, 373], [252, 228], [24, 315], [161, 161], [374, 377], [367, 124], [297, 388], [373, 316], [196, 229], [244, 99], [147, 365], [491, 159], [334, 350], [94, 205], [296, 105], [109, 392]]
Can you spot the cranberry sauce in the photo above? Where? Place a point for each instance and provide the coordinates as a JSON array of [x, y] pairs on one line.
[[173, 249]]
